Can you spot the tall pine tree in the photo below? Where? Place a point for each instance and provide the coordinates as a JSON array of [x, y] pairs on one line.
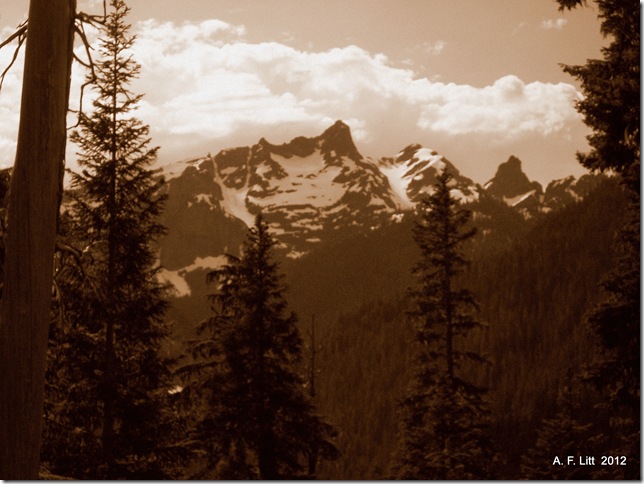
[[611, 87], [256, 420], [107, 380], [611, 108], [445, 416]]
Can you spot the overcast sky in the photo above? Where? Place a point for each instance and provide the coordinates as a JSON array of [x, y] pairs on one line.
[[476, 80]]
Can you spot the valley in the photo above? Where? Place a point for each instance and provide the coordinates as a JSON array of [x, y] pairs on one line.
[[343, 227]]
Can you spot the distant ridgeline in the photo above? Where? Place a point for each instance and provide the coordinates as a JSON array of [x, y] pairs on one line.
[[316, 190]]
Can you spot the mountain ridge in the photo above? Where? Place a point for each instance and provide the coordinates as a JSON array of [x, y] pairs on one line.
[[309, 189]]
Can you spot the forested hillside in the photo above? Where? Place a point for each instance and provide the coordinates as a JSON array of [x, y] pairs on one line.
[[533, 293]]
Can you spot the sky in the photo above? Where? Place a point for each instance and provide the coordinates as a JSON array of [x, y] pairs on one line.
[[475, 80]]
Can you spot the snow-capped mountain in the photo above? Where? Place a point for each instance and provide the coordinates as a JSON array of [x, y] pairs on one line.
[[413, 172], [311, 189], [306, 189]]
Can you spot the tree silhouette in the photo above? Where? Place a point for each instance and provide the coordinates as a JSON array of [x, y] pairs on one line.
[[108, 377], [257, 421], [611, 87], [611, 108], [444, 416]]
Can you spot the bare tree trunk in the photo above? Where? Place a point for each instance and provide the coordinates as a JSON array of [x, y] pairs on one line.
[[33, 209]]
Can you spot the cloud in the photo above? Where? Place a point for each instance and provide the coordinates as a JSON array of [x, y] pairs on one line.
[[434, 48], [9, 99], [207, 88], [506, 110], [556, 24], [204, 78]]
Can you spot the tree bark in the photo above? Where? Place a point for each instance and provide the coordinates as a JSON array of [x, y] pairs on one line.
[[31, 235]]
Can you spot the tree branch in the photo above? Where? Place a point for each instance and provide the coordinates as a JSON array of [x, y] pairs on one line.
[[20, 34], [79, 28]]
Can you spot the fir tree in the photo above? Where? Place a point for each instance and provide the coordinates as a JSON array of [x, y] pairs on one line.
[[566, 434], [615, 372], [611, 108], [611, 87], [444, 416], [107, 381], [257, 421]]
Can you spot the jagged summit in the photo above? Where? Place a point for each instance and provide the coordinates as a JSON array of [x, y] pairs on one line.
[[337, 140], [510, 181], [311, 188]]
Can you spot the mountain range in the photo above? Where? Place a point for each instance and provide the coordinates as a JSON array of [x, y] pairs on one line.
[[310, 190]]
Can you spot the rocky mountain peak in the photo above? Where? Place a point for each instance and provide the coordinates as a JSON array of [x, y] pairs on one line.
[[510, 181], [337, 141], [408, 152]]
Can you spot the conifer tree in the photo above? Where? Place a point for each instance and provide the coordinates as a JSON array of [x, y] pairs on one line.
[[256, 421], [611, 108], [107, 381], [566, 434], [611, 87], [445, 416]]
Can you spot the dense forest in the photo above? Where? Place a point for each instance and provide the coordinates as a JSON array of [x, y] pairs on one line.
[[459, 341], [365, 357]]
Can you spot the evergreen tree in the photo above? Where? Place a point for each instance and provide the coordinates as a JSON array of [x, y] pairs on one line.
[[108, 382], [256, 421], [444, 416], [616, 369], [611, 108], [567, 434], [611, 86]]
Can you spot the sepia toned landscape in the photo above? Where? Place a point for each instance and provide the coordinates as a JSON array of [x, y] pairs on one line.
[[319, 240]]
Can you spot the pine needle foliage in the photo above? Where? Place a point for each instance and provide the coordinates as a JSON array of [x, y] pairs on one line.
[[107, 411], [445, 417], [256, 421], [611, 108]]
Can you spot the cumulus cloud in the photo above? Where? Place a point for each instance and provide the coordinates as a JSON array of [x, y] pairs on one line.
[[554, 24], [507, 109], [206, 85], [204, 78]]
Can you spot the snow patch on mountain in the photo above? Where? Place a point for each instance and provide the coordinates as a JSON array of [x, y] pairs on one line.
[[308, 182], [398, 183], [181, 288], [234, 203], [514, 201], [430, 158]]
